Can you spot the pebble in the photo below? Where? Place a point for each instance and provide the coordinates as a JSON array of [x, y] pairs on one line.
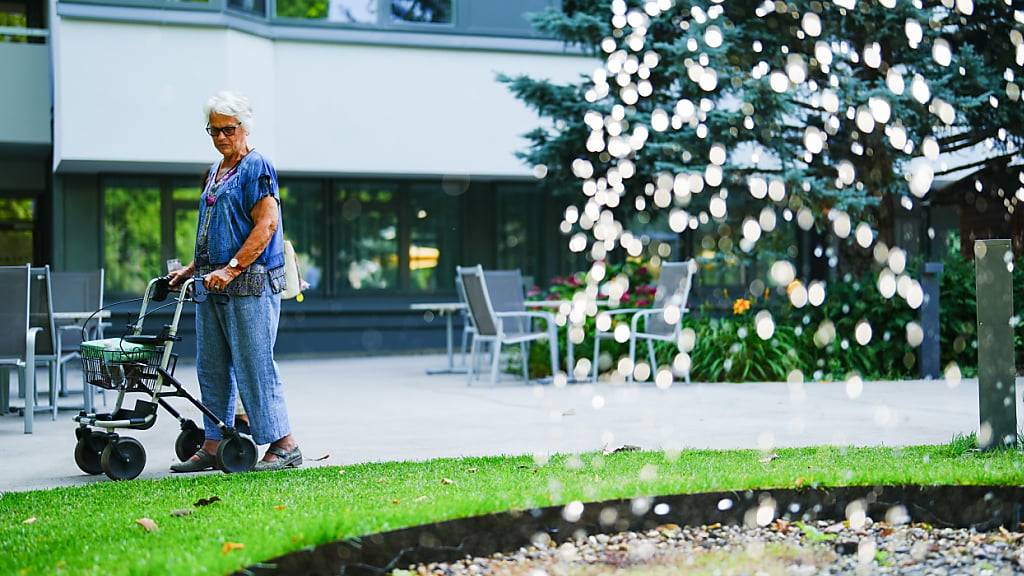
[[828, 548]]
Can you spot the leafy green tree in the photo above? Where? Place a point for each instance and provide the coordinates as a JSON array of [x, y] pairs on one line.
[[832, 114]]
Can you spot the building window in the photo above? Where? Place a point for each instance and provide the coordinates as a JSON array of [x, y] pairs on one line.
[[302, 218], [365, 222], [520, 231], [185, 221], [367, 12], [27, 15], [350, 236], [257, 7], [422, 11], [132, 235], [433, 227], [17, 221]]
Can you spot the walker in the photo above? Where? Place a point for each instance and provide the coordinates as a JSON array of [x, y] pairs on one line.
[[144, 364]]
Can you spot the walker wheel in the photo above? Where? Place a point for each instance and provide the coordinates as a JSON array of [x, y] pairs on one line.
[[236, 453], [123, 458], [89, 450], [190, 439]]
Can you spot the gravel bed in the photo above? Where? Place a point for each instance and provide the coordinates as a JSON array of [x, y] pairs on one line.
[[783, 548]]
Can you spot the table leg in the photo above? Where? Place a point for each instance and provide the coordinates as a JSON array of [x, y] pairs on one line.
[[5, 390], [570, 354], [449, 335]]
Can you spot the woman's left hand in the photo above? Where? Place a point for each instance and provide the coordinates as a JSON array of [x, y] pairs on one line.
[[219, 279]]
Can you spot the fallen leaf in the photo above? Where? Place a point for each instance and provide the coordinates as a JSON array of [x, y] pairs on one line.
[[447, 481], [148, 524], [280, 507], [206, 501], [781, 525], [835, 528], [396, 501], [31, 520], [229, 547], [767, 459], [420, 498], [714, 526], [321, 459], [181, 512], [472, 470], [1011, 537], [799, 482], [666, 529], [885, 532]]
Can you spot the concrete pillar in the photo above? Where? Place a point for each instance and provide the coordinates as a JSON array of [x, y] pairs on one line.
[[996, 367]]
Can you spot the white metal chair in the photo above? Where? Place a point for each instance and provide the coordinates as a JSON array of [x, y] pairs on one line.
[[468, 329], [19, 339], [41, 316], [673, 289], [500, 316]]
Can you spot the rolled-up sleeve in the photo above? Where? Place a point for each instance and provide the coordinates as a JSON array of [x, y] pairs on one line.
[[260, 183]]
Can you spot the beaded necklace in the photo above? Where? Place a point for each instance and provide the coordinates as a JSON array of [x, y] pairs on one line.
[[215, 183]]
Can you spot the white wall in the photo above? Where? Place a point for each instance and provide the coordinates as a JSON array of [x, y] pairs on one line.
[[134, 92]]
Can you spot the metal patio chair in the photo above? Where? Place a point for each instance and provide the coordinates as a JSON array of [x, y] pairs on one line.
[[673, 289], [76, 292], [468, 329], [497, 305], [20, 338]]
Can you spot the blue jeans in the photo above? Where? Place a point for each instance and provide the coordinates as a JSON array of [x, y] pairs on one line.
[[235, 338]]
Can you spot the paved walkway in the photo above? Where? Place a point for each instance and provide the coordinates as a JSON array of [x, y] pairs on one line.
[[386, 408]]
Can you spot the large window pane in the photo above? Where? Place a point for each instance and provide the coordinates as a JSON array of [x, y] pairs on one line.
[[344, 11], [302, 214], [428, 11], [365, 221], [433, 228], [28, 14], [131, 236], [520, 216], [186, 221], [258, 7], [17, 216]]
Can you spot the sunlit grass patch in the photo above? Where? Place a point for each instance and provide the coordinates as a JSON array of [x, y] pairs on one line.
[[94, 529]]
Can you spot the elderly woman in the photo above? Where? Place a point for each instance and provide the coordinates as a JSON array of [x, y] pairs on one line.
[[239, 257]]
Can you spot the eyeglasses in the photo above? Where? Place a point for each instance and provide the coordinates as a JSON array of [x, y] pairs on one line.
[[227, 130]]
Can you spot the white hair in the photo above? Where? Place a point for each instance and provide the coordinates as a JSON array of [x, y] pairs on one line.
[[232, 104]]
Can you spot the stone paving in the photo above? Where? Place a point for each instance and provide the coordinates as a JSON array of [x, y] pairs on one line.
[[387, 408]]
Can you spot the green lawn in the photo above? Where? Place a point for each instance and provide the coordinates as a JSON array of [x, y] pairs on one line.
[[93, 529]]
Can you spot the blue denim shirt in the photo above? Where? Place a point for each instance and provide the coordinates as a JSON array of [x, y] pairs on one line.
[[231, 220]]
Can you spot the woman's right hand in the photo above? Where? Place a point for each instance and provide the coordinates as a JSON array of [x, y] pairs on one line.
[[178, 276]]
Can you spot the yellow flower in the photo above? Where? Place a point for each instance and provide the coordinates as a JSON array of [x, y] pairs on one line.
[[740, 306]]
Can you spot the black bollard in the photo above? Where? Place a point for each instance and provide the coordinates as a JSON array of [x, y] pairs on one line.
[[930, 349], [996, 370]]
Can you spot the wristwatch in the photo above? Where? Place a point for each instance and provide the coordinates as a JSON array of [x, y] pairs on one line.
[[234, 264]]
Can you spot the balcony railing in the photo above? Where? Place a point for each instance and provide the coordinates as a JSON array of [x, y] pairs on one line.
[[19, 34], [507, 18]]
